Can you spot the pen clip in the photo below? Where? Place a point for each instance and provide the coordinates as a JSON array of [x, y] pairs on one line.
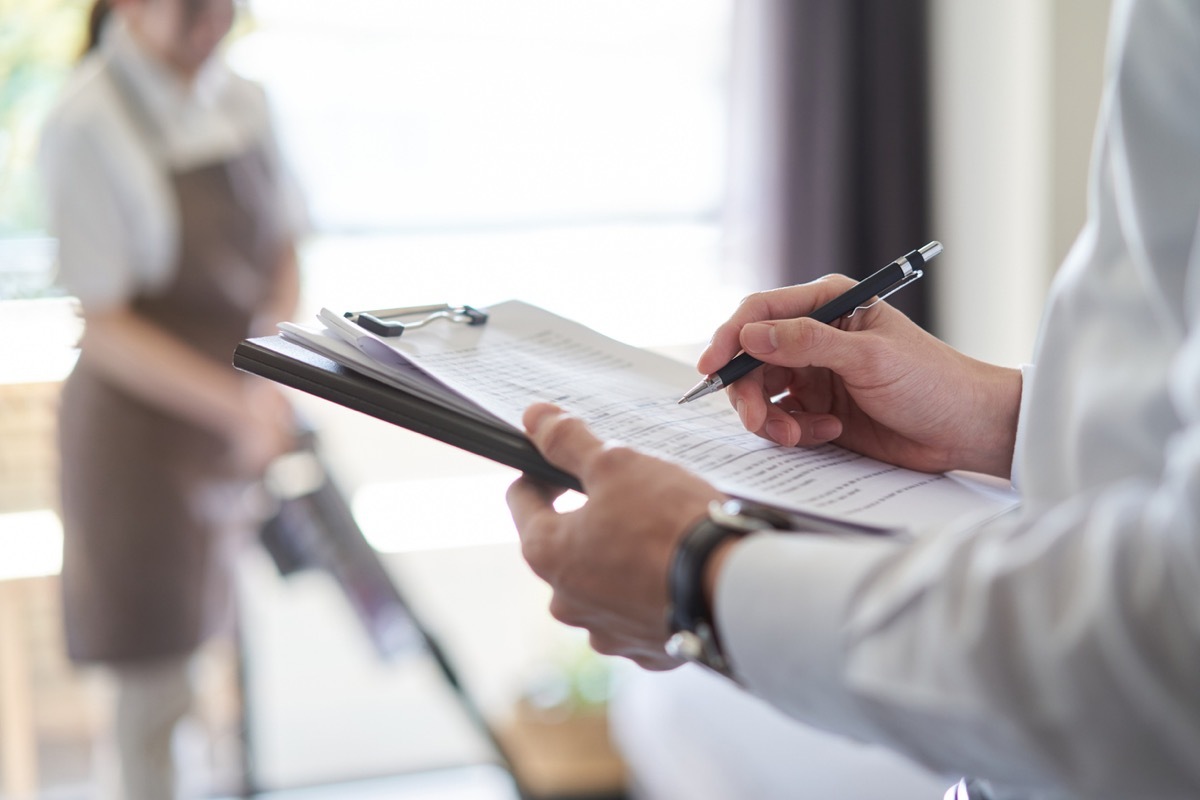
[[913, 276]]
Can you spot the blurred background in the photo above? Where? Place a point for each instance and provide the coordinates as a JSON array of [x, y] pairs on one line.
[[638, 166]]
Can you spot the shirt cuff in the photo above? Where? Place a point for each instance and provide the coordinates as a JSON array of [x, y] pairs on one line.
[[1026, 382], [783, 604]]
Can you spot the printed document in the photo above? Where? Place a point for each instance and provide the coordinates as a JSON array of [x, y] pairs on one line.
[[524, 354]]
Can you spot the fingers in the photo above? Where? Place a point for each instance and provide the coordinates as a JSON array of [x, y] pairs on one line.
[[532, 507], [606, 561], [749, 397], [528, 498], [814, 427], [784, 421], [786, 303], [566, 442], [616, 627]]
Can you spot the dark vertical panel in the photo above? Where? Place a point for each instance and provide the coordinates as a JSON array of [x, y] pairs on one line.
[[853, 88]]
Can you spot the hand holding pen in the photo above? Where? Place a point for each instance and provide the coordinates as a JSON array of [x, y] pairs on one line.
[[891, 278], [883, 387]]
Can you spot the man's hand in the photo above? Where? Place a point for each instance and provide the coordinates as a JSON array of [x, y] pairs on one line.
[[874, 382], [607, 562]]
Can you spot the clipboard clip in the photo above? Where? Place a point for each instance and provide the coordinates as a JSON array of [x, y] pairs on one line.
[[385, 321]]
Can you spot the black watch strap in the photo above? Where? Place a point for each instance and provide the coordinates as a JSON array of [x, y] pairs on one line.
[[690, 618], [693, 631], [688, 604]]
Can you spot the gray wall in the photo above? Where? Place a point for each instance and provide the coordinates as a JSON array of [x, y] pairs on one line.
[[1016, 86]]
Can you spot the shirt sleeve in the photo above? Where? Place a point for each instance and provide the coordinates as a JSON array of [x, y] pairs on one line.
[[95, 260], [108, 202], [1027, 371], [1055, 651]]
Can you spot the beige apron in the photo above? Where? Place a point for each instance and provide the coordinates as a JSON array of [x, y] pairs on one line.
[[149, 502]]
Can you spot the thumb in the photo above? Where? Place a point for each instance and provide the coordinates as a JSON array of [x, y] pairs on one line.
[[565, 440]]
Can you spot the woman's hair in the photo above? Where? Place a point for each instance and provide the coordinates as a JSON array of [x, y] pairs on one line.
[[96, 19]]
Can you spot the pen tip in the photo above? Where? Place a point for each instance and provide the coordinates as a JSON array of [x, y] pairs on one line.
[[699, 390]]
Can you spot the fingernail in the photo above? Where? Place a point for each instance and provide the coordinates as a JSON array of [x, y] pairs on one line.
[[740, 405], [780, 432], [759, 337], [825, 429]]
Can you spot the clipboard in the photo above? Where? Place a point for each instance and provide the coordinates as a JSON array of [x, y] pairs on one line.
[[468, 379], [291, 364]]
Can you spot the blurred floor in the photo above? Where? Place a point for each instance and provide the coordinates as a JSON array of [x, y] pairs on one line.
[[462, 783]]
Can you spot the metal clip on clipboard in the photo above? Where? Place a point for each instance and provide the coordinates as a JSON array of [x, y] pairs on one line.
[[386, 321]]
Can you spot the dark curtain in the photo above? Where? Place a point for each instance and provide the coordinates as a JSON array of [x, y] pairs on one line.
[[853, 187]]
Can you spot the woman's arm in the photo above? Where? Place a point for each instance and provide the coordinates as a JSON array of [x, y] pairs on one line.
[[164, 372]]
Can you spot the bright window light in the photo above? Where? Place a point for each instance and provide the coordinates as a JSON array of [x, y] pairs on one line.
[[411, 515], [30, 544], [412, 114]]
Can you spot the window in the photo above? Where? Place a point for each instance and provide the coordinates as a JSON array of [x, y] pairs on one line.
[[569, 153], [417, 115]]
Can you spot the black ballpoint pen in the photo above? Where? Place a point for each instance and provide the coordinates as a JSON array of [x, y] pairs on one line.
[[894, 276]]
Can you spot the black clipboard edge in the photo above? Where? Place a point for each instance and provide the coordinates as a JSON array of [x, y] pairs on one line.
[[289, 364]]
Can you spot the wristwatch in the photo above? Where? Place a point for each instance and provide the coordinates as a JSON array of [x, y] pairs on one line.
[[693, 631]]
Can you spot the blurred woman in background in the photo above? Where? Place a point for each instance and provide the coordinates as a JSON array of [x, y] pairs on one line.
[[176, 225]]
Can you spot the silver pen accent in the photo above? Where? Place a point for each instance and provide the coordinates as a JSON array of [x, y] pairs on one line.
[[704, 387]]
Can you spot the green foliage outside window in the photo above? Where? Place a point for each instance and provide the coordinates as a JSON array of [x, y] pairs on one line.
[[39, 42]]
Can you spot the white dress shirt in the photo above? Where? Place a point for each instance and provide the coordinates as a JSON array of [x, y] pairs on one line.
[[110, 202], [1057, 653]]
